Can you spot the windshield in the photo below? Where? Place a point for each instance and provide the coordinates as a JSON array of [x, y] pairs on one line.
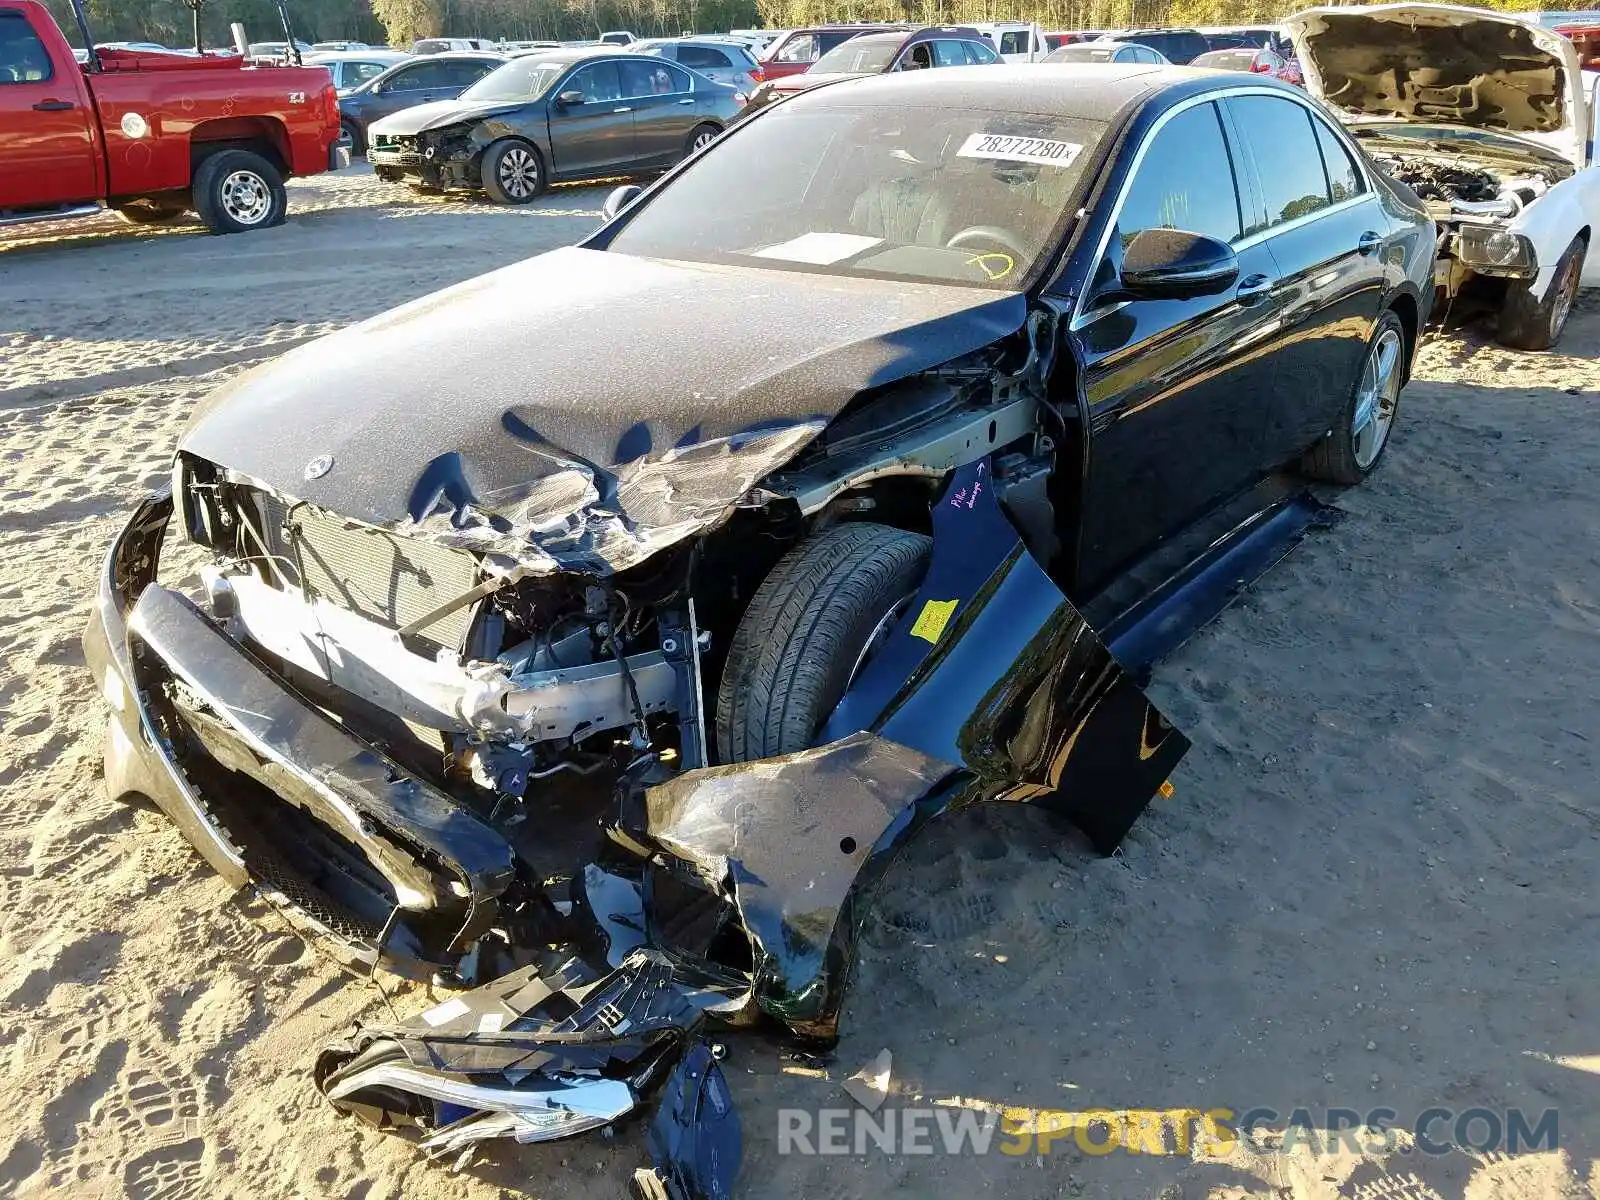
[[859, 56], [969, 196], [520, 79]]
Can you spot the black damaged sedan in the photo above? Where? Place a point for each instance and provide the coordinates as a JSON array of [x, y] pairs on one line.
[[554, 116], [589, 636]]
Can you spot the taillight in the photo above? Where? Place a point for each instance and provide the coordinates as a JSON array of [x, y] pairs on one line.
[[1260, 69], [757, 75], [330, 105]]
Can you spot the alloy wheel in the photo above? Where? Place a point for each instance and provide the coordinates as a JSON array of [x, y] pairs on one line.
[[702, 140], [519, 172], [1566, 291], [246, 197], [1377, 398]]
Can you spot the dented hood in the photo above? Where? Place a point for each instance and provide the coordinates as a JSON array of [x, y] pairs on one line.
[[1435, 64], [439, 113], [581, 409]]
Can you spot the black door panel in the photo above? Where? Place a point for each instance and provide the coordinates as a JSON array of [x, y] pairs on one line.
[[1175, 390]]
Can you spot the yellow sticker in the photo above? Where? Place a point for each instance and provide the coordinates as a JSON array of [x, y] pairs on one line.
[[935, 615], [1167, 789]]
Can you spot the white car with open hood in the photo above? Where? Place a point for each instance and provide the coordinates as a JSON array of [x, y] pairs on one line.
[[1489, 119]]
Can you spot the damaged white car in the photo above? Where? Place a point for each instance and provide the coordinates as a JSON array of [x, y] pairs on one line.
[[1486, 117]]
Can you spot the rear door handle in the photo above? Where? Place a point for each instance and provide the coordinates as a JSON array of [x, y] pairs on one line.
[[1253, 289], [690, 100], [53, 106], [622, 109], [1369, 243]]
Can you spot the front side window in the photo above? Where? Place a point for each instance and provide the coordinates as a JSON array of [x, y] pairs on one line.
[[918, 58], [1184, 181], [1293, 182], [966, 196], [416, 79], [599, 83], [802, 48], [23, 58]]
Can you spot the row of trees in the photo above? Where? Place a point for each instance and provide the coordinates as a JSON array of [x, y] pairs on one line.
[[399, 22]]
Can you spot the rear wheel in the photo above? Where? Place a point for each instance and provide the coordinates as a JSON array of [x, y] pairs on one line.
[[700, 137], [1528, 323], [808, 630], [350, 135], [1352, 449], [150, 212], [238, 190], [512, 172]]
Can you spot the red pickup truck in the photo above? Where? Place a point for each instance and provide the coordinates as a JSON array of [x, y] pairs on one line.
[[152, 135]]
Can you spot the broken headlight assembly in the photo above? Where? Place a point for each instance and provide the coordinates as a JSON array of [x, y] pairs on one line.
[[1494, 251]]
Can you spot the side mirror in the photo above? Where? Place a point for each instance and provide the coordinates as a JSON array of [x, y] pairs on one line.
[[572, 97], [1170, 264], [619, 200]]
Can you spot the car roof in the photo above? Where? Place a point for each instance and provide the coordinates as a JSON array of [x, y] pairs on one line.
[[1094, 91], [394, 56]]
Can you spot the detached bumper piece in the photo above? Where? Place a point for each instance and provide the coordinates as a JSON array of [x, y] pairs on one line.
[[540, 1053]]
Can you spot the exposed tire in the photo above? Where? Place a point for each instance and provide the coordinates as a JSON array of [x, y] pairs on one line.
[[805, 632], [1350, 452], [388, 174], [1528, 323], [699, 138], [237, 190], [513, 172], [350, 134], [149, 212]]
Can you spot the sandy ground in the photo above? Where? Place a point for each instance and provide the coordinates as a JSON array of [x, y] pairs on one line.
[[1375, 885]]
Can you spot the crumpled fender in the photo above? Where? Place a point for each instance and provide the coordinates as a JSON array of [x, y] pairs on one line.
[[991, 687]]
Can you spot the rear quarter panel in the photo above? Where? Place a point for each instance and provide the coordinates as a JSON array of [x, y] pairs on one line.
[[152, 119]]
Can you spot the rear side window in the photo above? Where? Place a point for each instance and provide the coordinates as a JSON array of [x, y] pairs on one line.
[[979, 55], [1293, 182], [1184, 181], [1344, 178], [22, 55], [949, 54], [703, 58], [1014, 41]]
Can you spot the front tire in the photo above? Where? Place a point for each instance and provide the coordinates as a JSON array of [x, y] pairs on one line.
[[1527, 323], [237, 190], [806, 633], [512, 172], [1350, 452]]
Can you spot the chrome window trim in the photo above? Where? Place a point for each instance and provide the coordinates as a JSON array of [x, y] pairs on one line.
[[1081, 317]]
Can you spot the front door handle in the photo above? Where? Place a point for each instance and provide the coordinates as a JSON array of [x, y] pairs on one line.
[[623, 109], [53, 106], [689, 100], [1369, 243], [1253, 289]]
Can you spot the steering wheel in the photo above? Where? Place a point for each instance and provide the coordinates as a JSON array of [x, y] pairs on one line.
[[996, 251]]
